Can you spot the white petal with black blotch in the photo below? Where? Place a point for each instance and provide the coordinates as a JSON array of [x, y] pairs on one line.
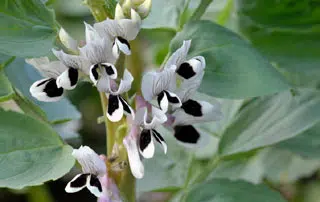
[[46, 90], [68, 79], [46, 68], [130, 142], [153, 83], [146, 145], [165, 98], [98, 49], [125, 84], [191, 68], [187, 134], [157, 117], [123, 45], [90, 161], [101, 75], [73, 61], [94, 185], [115, 108], [193, 111], [127, 29], [160, 139], [127, 109], [77, 183], [180, 55]]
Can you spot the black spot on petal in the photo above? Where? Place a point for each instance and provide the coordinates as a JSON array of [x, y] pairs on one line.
[[172, 99], [186, 134], [108, 69], [94, 181], [126, 107], [73, 76], [52, 90], [94, 71], [113, 104], [145, 139], [43, 82], [160, 97], [79, 181], [124, 41], [157, 136], [186, 71], [192, 107]]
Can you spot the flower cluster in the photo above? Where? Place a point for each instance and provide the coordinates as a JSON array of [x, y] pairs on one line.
[[167, 94]]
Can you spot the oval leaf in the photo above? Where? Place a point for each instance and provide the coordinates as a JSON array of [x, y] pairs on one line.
[[269, 120], [27, 28], [222, 190], [233, 68], [31, 152]]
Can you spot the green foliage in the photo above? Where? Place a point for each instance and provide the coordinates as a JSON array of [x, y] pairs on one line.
[[287, 32], [222, 190], [6, 91], [233, 68], [32, 153], [22, 75], [269, 120], [27, 28]]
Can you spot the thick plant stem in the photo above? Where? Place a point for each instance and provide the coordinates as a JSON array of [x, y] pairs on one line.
[[201, 9]]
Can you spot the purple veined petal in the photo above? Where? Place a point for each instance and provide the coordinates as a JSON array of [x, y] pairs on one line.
[[46, 68]]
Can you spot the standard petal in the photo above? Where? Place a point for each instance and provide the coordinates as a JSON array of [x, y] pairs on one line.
[[154, 83], [68, 79], [46, 90], [77, 183], [90, 161], [192, 112], [146, 146], [179, 56], [191, 68], [126, 107], [94, 185], [46, 68], [186, 134], [160, 139], [115, 108], [74, 61], [158, 118], [130, 142], [125, 84], [91, 34]]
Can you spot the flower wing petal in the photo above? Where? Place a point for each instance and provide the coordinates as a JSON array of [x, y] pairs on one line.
[[77, 183], [68, 79], [115, 108], [94, 185], [146, 145], [46, 90]]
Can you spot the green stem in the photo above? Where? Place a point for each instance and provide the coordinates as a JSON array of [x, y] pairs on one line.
[[214, 162], [39, 194], [201, 9], [225, 13]]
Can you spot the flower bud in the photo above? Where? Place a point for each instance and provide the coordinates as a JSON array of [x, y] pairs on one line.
[[144, 8], [119, 13], [67, 40]]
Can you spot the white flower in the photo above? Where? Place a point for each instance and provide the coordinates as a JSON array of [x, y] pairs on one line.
[[120, 31], [48, 90], [148, 123], [93, 171], [67, 40], [161, 85]]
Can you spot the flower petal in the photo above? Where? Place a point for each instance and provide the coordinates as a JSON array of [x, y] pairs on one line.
[[90, 161], [119, 12], [94, 185], [173, 99], [146, 146], [126, 107], [163, 101], [110, 70], [130, 142], [123, 45], [115, 108], [158, 118], [192, 67], [186, 134], [46, 90], [77, 183], [180, 55], [125, 84], [160, 139], [91, 34], [67, 40], [68, 79], [193, 111], [74, 61], [46, 68], [189, 87], [153, 83], [144, 8]]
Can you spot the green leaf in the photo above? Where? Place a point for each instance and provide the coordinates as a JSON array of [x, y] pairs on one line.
[[165, 172], [31, 152], [222, 190], [165, 14], [306, 144], [27, 28], [6, 91], [233, 68], [269, 120], [287, 32], [22, 76]]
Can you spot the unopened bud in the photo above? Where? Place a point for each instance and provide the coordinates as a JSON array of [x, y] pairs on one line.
[[144, 8], [67, 40], [119, 12]]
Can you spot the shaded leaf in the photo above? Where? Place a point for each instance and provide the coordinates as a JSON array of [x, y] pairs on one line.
[[31, 152], [233, 68]]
